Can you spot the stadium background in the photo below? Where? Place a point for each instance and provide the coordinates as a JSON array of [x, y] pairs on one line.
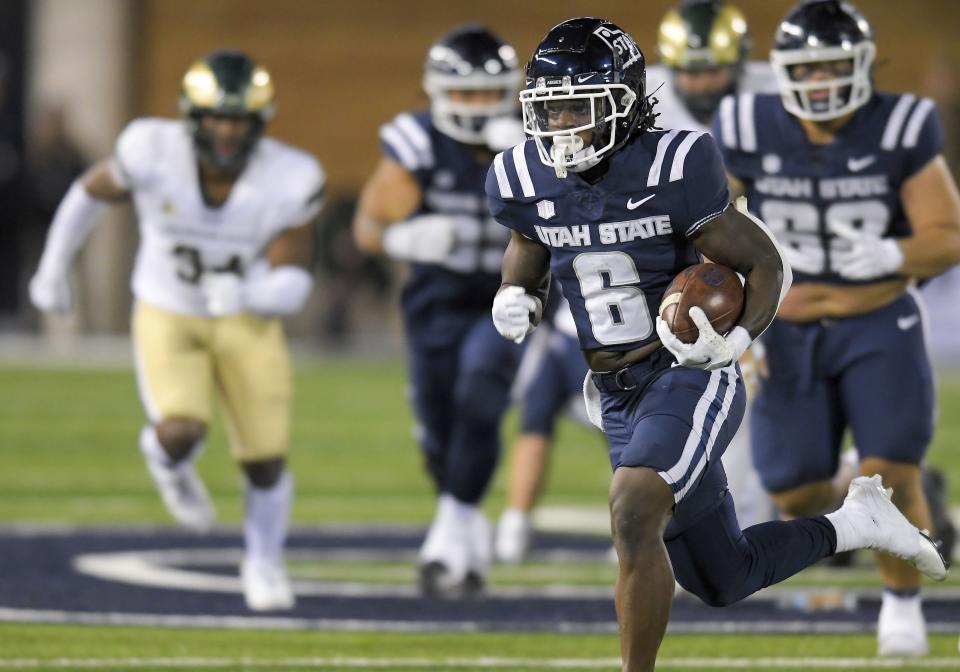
[[68, 407]]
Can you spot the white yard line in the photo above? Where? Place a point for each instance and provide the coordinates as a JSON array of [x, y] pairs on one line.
[[8, 615], [479, 663]]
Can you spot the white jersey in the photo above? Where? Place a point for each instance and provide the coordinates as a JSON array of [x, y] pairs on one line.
[[758, 77], [181, 237]]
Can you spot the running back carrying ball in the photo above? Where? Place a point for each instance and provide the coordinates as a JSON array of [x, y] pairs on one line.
[[715, 288]]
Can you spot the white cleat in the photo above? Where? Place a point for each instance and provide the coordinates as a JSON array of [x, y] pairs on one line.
[[514, 537], [869, 519], [481, 553], [184, 495], [455, 556], [901, 630], [265, 585]]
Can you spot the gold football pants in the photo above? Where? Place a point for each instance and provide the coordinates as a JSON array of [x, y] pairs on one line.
[[181, 359]]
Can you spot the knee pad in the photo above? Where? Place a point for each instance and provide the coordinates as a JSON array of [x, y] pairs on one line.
[[264, 474], [180, 436]]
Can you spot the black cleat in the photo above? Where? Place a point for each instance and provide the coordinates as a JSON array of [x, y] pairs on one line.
[[435, 583], [935, 490]]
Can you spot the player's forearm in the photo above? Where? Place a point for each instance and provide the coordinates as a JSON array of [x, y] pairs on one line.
[[762, 292], [931, 252], [527, 265], [76, 215], [368, 233]]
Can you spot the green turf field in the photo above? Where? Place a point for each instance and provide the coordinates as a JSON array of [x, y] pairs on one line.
[[68, 454]]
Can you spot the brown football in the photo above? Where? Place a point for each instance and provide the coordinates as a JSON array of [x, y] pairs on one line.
[[715, 288]]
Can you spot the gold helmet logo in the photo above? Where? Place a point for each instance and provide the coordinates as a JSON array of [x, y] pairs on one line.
[[208, 86], [703, 35]]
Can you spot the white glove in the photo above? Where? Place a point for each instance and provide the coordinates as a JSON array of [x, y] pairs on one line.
[[711, 350], [869, 257], [50, 292], [223, 292], [511, 312], [801, 261], [426, 239]]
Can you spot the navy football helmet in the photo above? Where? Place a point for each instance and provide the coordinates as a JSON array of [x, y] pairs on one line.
[[586, 93], [226, 83], [818, 36], [470, 58]]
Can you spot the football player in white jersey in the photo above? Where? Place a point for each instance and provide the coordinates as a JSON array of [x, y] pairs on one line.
[[703, 47], [226, 246]]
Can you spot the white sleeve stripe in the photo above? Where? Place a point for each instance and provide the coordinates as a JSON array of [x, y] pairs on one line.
[[680, 156], [748, 131], [654, 177], [920, 112], [520, 163], [501, 173], [417, 137], [895, 122], [702, 221], [393, 137], [727, 126]]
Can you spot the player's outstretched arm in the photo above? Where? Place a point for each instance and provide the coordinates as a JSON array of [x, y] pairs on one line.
[[76, 215], [738, 240], [525, 272]]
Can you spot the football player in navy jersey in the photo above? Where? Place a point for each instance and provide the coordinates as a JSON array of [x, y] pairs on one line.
[[615, 209], [425, 204], [703, 47], [853, 184]]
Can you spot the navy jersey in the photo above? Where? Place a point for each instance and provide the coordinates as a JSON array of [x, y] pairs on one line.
[[616, 245], [799, 189], [451, 177]]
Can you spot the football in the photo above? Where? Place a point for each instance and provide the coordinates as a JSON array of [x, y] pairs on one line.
[[715, 288]]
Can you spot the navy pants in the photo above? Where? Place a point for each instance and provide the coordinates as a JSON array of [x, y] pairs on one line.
[[868, 373], [678, 421], [460, 391]]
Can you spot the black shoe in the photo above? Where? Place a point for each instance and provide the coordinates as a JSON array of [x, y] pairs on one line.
[[842, 560], [435, 583], [936, 492]]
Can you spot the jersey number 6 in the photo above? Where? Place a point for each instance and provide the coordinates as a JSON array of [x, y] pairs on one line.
[[617, 309]]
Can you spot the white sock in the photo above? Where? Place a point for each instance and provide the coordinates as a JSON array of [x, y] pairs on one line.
[[900, 602], [267, 519], [847, 537], [454, 512], [453, 517], [514, 518]]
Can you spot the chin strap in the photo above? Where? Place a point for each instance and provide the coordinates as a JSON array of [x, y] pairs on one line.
[[570, 147], [564, 146]]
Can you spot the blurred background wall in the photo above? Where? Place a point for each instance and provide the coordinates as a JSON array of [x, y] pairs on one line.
[[342, 69]]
